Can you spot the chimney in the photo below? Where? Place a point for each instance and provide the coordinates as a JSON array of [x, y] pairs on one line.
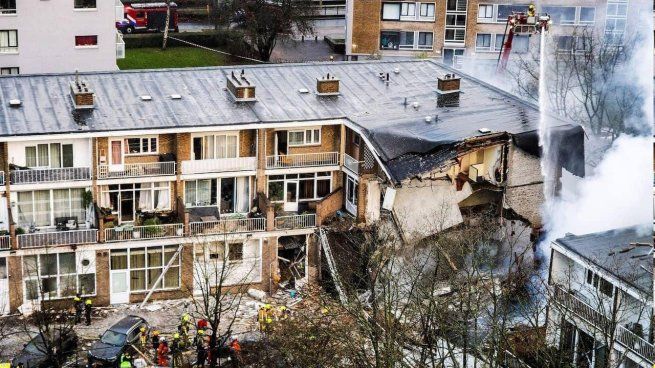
[[448, 90], [327, 86], [81, 93], [240, 87]]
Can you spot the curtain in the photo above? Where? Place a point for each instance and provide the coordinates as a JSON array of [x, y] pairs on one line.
[[190, 193], [221, 146], [76, 205], [55, 155], [116, 152], [30, 156], [118, 259], [243, 197], [42, 155], [209, 147], [232, 146], [203, 194], [162, 196], [42, 205], [306, 189], [60, 202], [145, 197], [25, 208]]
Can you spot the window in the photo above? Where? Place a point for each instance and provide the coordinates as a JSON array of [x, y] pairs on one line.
[[564, 15], [425, 40], [408, 10], [498, 44], [213, 146], [599, 283], [10, 70], [55, 275], [456, 5], [8, 41], [86, 41], [390, 11], [389, 40], [617, 10], [304, 137], [235, 252], [126, 200], [41, 207], [406, 40], [234, 194], [587, 15], [455, 35], [312, 186], [85, 4], [140, 146], [521, 44], [483, 42], [456, 20], [504, 11], [427, 10], [53, 155], [485, 13], [7, 6], [146, 266]]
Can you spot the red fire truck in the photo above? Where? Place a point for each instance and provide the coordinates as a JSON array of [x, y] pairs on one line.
[[147, 17]]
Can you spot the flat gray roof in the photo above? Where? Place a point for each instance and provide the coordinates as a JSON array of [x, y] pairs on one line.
[[624, 253], [396, 129]]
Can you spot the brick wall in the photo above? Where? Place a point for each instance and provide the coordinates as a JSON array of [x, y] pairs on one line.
[[102, 277], [329, 205], [247, 143], [525, 185], [313, 258], [269, 262], [366, 26], [329, 141], [362, 197]]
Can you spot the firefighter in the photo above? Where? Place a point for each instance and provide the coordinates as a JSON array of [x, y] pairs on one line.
[[5, 365], [282, 313], [531, 10], [154, 339], [235, 352], [88, 305], [261, 318], [199, 338], [201, 352], [176, 350], [202, 324], [79, 307], [162, 353], [126, 360], [143, 338]]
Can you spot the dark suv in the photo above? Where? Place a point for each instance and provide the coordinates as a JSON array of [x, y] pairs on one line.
[[115, 340], [34, 353]]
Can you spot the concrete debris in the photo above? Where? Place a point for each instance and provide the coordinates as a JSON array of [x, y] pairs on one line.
[[257, 294], [153, 307]]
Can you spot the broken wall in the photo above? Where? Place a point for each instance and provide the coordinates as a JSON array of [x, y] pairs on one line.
[[525, 186]]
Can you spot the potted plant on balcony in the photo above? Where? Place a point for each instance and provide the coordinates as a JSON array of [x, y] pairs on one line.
[[152, 227]]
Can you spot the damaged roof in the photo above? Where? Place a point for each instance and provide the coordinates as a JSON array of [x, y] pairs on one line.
[[385, 112], [624, 253]]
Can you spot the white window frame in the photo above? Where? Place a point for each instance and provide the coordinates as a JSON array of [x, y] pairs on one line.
[[572, 22], [214, 137], [307, 141], [216, 181], [141, 152], [492, 40], [31, 276], [408, 46], [12, 43], [504, 20], [404, 10], [153, 186], [51, 210], [426, 46], [390, 4], [429, 15], [579, 16], [486, 19], [296, 178], [10, 70], [49, 153], [147, 267]]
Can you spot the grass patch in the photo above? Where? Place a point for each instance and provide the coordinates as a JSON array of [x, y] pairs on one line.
[[173, 57]]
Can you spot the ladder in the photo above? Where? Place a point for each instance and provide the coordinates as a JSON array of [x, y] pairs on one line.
[[332, 265], [161, 276]]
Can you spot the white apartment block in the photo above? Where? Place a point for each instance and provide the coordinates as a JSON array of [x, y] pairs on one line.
[[50, 36], [601, 303]]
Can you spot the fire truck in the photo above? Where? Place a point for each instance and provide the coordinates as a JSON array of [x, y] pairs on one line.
[[147, 17], [521, 24]]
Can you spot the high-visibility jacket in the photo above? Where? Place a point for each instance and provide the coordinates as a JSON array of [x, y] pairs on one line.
[[126, 364], [5, 365]]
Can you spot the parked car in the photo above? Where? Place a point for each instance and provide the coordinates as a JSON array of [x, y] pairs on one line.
[[33, 354], [113, 343]]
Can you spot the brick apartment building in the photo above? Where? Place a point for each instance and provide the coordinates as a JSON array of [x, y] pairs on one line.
[[116, 183], [471, 29]]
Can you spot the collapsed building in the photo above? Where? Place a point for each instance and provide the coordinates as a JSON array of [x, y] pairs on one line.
[[128, 185]]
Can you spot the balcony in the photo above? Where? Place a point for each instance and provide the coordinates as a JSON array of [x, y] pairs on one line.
[[49, 175], [591, 315], [44, 239], [228, 226], [350, 163], [5, 243], [145, 232], [294, 222], [219, 165], [136, 170], [120, 46], [302, 160]]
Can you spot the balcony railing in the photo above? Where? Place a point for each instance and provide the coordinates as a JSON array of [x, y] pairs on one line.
[[295, 222], [50, 175], [130, 233], [136, 170], [44, 239], [350, 163], [623, 336], [219, 165], [5, 242], [302, 160], [228, 226]]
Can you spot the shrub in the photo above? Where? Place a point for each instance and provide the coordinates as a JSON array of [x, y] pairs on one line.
[[228, 40]]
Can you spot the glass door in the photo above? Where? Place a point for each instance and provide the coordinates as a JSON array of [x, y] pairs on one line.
[[116, 155], [351, 195], [291, 196]]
